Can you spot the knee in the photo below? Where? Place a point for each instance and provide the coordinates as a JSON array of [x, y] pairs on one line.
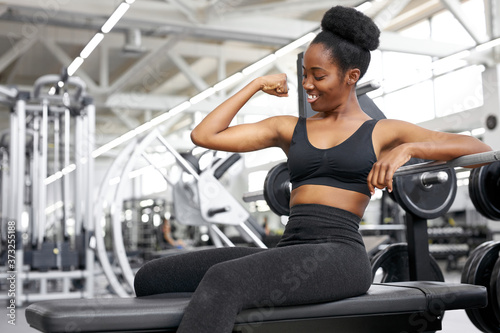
[[139, 281], [223, 281], [143, 281]]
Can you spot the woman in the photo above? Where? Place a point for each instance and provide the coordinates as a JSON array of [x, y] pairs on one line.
[[336, 160]]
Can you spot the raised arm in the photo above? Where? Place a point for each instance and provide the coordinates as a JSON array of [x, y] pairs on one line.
[[214, 132], [399, 141]]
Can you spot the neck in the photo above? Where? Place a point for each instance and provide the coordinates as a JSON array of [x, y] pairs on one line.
[[348, 108]]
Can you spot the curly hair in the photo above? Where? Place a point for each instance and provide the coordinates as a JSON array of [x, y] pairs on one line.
[[349, 36]]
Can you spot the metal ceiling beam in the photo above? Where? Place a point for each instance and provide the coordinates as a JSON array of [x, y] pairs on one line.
[[130, 122], [143, 66], [185, 48], [142, 101], [183, 7], [281, 7], [16, 51], [234, 33], [65, 60], [156, 26], [185, 68], [391, 41], [179, 82], [389, 12], [455, 7]]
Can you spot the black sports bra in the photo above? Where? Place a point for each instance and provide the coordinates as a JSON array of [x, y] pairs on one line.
[[344, 166]]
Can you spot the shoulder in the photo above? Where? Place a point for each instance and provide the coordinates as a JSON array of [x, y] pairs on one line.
[[387, 123], [392, 131], [395, 127]]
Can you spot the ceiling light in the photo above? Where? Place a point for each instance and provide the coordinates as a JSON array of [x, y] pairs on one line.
[[164, 116], [202, 95], [87, 50], [295, 44], [488, 45], [115, 17], [259, 64], [75, 65], [364, 6], [228, 81]]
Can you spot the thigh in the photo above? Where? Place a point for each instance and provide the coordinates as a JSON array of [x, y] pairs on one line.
[[300, 274], [183, 272]]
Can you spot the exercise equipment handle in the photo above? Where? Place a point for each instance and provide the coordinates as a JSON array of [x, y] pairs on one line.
[[74, 81], [226, 165], [463, 161], [214, 211]]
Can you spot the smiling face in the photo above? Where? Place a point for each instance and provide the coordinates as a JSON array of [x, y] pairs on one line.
[[325, 86]]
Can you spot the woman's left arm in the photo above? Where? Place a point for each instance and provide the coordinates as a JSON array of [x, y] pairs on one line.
[[398, 141]]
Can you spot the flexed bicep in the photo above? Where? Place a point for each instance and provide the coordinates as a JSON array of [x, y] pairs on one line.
[[244, 137]]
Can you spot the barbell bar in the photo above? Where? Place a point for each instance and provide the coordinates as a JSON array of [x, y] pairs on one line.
[[463, 161], [425, 189]]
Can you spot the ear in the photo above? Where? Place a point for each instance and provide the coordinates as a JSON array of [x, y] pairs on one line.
[[352, 76]]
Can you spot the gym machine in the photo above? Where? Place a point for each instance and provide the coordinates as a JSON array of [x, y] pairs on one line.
[[417, 305], [198, 200], [47, 227]]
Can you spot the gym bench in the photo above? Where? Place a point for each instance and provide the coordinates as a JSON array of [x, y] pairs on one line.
[[398, 307], [415, 306]]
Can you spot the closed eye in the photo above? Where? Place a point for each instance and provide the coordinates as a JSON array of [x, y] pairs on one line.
[[317, 78]]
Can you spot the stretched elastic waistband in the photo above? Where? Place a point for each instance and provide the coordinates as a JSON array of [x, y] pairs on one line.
[[324, 211], [314, 223]]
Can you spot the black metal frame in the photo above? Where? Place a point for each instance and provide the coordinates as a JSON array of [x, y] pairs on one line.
[[387, 323]]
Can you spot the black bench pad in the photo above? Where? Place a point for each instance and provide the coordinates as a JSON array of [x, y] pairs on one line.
[[165, 311]]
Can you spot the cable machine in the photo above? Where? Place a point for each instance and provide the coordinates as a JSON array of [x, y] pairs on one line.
[[47, 152]]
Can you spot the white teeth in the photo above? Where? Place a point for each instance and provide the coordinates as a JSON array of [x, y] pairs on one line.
[[312, 96]]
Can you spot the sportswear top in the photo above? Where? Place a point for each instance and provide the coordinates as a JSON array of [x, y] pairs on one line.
[[344, 166]]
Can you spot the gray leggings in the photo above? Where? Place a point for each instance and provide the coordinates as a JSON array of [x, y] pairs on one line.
[[321, 257]]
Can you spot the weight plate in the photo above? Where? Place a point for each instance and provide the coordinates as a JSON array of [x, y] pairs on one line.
[[475, 188], [480, 274], [471, 262], [475, 197], [487, 190], [412, 161], [473, 191], [478, 200], [425, 201], [277, 189], [494, 291], [394, 262]]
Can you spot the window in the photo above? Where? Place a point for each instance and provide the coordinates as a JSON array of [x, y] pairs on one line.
[[458, 91], [413, 104]]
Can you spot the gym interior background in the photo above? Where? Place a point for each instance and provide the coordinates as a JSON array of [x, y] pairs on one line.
[[99, 175]]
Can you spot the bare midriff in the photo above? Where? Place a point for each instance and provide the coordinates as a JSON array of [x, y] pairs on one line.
[[351, 201]]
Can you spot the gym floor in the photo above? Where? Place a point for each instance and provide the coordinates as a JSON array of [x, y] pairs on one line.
[[454, 321]]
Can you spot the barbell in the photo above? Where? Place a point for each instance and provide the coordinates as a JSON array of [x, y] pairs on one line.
[[425, 189]]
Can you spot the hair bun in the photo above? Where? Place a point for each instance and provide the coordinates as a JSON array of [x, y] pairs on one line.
[[352, 25]]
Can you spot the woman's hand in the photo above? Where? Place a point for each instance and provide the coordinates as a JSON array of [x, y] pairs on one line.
[[214, 131], [383, 170], [274, 85]]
